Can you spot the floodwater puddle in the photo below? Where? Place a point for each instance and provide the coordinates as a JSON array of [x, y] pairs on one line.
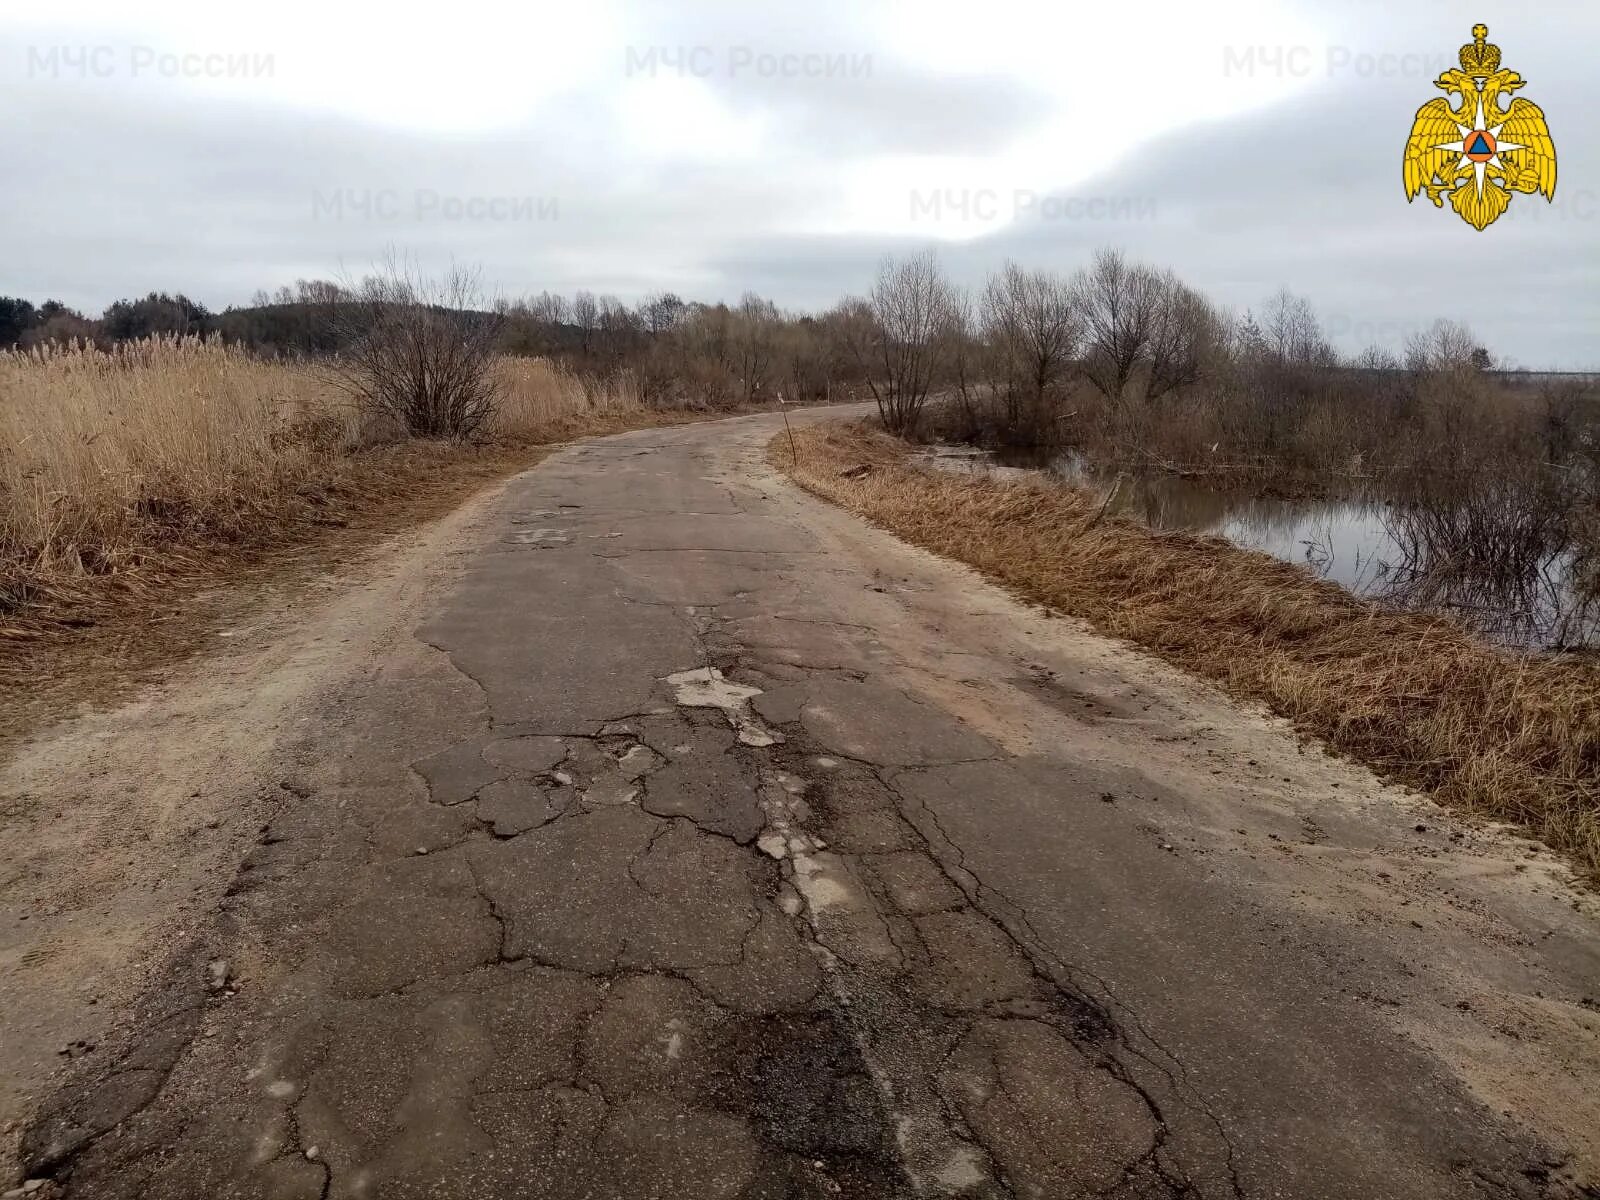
[[1493, 556]]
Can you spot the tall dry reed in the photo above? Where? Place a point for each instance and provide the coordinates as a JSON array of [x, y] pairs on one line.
[[102, 451], [539, 398], [113, 462]]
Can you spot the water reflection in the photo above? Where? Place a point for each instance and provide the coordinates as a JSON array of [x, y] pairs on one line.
[[1501, 556]]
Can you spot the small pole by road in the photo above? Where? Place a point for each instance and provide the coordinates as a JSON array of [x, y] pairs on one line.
[[783, 407]]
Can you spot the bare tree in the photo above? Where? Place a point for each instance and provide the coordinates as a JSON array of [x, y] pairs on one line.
[[1185, 338], [971, 359], [844, 330], [1292, 333], [1035, 331], [801, 361], [585, 314], [1147, 327], [548, 308], [533, 325], [905, 340], [1446, 347], [1449, 389], [754, 342], [1119, 302], [1377, 359], [319, 292], [418, 352], [617, 329], [661, 311], [701, 357]]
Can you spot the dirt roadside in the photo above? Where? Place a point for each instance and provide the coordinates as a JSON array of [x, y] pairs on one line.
[[123, 826], [1417, 696]]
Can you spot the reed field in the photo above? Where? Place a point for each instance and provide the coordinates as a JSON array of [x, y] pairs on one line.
[[1507, 736]]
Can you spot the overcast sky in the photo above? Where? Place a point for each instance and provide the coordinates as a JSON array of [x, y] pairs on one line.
[[716, 146]]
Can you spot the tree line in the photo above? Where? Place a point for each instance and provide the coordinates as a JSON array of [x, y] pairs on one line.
[[1016, 357], [24, 325]]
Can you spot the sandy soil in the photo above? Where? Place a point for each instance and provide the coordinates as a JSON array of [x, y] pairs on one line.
[[123, 826]]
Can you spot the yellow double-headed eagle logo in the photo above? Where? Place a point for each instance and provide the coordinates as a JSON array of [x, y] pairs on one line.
[[1479, 152]]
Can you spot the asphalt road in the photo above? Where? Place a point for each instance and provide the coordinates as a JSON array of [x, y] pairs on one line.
[[704, 843]]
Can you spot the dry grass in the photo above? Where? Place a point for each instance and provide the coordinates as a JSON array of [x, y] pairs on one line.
[[541, 399], [103, 455], [115, 463], [1418, 698]]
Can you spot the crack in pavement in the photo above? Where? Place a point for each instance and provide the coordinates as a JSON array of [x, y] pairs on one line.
[[1087, 1029], [1098, 1016]]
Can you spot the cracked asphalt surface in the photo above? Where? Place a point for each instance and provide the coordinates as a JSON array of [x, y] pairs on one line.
[[704, 843]]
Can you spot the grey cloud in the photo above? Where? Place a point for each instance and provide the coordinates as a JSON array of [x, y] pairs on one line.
[[830, 87], [894, 111], [115, 190], [1308, 195]]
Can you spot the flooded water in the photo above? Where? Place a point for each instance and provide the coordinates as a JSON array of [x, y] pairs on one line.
[[1507, 571]]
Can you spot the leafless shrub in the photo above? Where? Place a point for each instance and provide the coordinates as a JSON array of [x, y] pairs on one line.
[[1495, 547], [418, 353], [902, 336], [1568, 415]]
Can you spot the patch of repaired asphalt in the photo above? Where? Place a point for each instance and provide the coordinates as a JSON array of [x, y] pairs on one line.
[[807, 1088]]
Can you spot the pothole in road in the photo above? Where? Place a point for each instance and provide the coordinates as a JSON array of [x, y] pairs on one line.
[[707, 687], [808, 1090], [849, 1085]]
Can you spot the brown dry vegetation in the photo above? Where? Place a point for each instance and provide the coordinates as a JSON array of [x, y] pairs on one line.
[[1417, 697], [132, 479]]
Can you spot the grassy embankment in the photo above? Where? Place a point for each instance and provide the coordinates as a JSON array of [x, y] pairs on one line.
[[129, 480], [1422, 701]]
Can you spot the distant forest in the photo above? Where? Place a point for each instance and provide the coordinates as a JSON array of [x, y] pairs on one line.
[[289, 322], [305, 320]]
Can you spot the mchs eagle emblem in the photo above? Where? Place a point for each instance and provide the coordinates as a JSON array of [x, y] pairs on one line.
[[1479, 153]]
